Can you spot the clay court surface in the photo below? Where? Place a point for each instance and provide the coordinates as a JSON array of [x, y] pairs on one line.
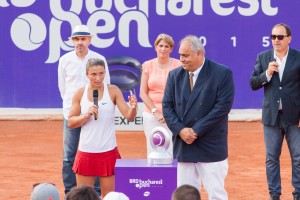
[[31, 152]]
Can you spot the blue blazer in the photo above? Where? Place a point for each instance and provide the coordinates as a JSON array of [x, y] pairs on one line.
[[288, 89], [205, 109]]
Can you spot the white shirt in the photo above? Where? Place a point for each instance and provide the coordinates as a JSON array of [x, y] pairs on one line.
[[99, 135], [196, 73], [281, 66], [72, 76]]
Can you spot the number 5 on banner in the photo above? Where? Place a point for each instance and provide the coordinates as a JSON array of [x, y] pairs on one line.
[[266, 41]]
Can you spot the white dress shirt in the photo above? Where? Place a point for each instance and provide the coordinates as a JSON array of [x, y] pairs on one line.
[[196, 73], [281, 66]]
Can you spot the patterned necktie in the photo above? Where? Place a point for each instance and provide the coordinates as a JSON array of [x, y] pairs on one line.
[[191, 81]]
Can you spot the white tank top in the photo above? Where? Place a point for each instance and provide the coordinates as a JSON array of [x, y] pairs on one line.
[[99, 135]]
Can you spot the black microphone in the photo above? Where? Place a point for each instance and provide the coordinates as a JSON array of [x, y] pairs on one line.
[[274, 60], [95, 96]]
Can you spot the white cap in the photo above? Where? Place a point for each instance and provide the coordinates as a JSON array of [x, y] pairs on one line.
[[116, 196], [45, 191]]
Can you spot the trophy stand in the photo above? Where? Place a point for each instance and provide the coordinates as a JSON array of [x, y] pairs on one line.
[[160, 141]]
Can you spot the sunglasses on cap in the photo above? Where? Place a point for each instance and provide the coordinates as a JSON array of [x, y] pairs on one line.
[[280, 37]]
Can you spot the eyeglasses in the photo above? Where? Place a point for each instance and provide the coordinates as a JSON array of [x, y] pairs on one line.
[[280, 37]]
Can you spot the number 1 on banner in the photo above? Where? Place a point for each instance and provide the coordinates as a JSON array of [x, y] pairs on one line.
[[233, 41]]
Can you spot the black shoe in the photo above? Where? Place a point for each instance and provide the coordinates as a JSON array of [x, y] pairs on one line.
[[274, 197], [296, 197]]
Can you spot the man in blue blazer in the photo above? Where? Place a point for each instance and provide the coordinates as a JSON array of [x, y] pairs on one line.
[[198, 118], [278, 72]]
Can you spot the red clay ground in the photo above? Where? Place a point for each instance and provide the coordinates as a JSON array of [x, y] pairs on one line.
[[31, 152]]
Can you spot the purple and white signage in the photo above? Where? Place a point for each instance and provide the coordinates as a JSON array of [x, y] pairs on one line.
[[140, 180], [34, 34]]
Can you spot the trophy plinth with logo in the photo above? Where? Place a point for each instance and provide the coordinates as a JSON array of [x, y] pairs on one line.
[[160, 141]]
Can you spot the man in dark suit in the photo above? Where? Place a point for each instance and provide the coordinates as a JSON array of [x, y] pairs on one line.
[[278, 72], [198, 118]]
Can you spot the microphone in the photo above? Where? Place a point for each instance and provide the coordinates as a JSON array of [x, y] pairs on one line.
[[95, 97], [274, 60]]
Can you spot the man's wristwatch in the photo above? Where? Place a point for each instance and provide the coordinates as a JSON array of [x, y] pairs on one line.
[[153, 110]]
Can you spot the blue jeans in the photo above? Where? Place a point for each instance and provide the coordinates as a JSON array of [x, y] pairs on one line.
[[273, 136], [70, 145]]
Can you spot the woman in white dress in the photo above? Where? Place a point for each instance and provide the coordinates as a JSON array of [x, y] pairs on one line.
[[97, 149]]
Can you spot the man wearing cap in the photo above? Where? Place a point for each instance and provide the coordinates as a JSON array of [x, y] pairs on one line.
[[72, 76]]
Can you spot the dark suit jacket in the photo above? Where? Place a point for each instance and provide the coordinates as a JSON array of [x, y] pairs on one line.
[[205, 109], [288, 90]]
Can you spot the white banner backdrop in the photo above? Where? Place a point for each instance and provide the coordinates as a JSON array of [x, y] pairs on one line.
[[123, 124], [242, 115]]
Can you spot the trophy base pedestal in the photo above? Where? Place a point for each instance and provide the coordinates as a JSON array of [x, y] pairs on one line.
[[159, 158]]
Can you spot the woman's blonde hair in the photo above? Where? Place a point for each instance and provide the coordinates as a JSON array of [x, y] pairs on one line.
[[94, 62], [166, 38]]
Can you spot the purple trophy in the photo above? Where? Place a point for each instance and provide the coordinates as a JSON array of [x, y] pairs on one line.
[[160, 141], [158, 138]]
